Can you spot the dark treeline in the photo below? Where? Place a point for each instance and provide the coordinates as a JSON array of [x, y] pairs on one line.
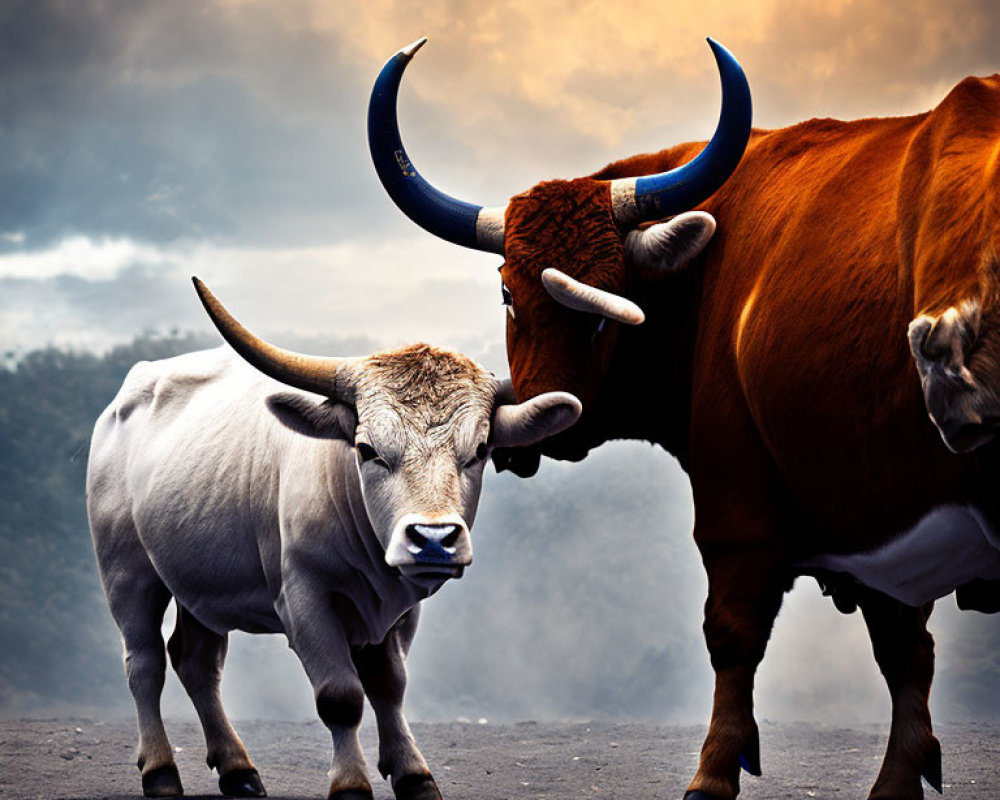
[[57, 643], [583, 601]]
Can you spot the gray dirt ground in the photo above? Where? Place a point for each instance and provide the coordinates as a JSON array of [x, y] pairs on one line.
[[86, 759]]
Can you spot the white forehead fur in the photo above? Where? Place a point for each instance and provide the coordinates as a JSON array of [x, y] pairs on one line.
[[422, 394]]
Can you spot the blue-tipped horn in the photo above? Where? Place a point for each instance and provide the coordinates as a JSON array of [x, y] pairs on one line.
[[681, 189], [459, 222]]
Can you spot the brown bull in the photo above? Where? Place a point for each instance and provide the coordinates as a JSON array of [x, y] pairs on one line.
[[775, 365]]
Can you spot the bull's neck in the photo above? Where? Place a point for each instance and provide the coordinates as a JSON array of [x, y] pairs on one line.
[[646, 392], [377, 595]]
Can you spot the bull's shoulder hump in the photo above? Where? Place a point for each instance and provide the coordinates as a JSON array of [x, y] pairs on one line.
[[170, 382], [975, 100]]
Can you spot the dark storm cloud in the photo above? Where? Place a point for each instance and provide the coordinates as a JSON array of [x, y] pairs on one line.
[[244, 121], [159, 121]]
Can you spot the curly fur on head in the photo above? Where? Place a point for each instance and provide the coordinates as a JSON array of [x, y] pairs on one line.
[[423, 389], [421, 373]]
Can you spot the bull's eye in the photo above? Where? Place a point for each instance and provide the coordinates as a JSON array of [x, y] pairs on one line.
[[507, 299], [368, 454], [481, 452]]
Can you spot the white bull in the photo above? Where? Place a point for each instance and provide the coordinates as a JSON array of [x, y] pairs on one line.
[[324, 518]]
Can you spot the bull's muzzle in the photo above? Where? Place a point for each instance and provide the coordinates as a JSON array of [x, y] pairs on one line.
[[427, 546], [963, 433]]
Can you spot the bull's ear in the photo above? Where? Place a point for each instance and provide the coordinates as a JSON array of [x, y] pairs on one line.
[[533, 420], [669, 246], [327, 420]]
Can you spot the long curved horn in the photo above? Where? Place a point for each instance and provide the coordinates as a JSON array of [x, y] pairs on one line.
[[326, 376], [583, 297], [459, 222], [666, 193], [536, 419]]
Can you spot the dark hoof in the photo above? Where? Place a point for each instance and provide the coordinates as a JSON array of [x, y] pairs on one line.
[[416, 787], [750, 757], [242, 783], [694, 795], [162, 782], [352, 794], [932, 767]]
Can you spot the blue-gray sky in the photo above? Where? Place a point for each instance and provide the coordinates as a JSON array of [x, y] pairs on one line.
[[145, 141]]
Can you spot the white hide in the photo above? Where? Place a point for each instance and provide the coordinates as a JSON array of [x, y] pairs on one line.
[[228, 502], [325, 532], [949, 547]]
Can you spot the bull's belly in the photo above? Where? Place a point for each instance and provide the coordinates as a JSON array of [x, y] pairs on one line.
[[225, 602], [222, 585], [249, 611], [949, 547]]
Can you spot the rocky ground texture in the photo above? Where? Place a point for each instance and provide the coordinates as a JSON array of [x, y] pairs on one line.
[[537, 761]]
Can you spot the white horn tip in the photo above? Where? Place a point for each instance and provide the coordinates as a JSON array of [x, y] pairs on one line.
[[409, 50]]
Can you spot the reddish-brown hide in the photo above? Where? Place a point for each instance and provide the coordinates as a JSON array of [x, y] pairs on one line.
[[566, 225], [777, 369]]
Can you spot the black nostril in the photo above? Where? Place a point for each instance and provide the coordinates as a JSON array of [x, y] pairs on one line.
[[416, 537], [423, 536]]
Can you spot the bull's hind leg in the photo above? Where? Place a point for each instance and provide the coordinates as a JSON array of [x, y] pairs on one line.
[[382, 669], [198, 655], [904, 650], [138, 599]]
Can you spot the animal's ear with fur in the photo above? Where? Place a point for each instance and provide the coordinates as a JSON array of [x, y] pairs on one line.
[[329, 419], [668, 246]]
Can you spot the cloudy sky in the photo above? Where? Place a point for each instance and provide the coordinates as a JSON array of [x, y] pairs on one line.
[[147, 141]]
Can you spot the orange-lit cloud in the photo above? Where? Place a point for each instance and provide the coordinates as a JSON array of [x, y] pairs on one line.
[[558, 87]]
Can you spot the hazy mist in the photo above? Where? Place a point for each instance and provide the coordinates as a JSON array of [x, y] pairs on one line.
[[584, 600]]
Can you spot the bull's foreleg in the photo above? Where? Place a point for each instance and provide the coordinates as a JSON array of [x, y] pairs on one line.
[[745, 588], [317, 631], [904, 650], [382, 669], [198, 655]]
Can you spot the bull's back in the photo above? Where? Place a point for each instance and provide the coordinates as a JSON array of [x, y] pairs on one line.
[[828, 242], [156, 405], [181, 466]]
